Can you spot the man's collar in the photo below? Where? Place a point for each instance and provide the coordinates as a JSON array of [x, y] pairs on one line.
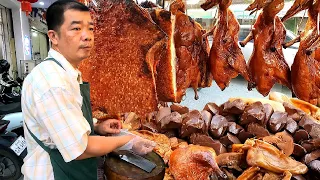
[[73, 72]]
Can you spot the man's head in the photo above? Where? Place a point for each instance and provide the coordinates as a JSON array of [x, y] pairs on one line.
[[70, 29]]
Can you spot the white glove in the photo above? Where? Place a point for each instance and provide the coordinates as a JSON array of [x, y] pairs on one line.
[[137, 144]]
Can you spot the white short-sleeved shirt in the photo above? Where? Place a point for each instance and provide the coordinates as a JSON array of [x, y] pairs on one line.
[[51, 104]]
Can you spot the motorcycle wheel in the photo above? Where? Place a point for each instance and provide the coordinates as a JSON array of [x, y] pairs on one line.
[[10, 165]]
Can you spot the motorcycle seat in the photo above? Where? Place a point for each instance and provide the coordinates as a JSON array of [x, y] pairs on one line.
[[10, 108]]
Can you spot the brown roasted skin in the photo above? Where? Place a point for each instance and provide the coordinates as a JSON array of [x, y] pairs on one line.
[[267, 64], [306, 65], [121, 68], [194, 162], [264, 155], [249, 173], [204, 61], [226, 58], [189, 44]]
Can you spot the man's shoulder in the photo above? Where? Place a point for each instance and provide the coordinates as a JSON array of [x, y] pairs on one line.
[[46, 75]]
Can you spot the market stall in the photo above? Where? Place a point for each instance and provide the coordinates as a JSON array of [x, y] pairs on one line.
[[145, 57]]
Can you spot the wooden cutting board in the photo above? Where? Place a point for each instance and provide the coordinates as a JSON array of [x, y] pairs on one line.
[[117, 169]]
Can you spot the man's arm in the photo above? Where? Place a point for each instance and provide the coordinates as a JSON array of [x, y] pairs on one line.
[[101, 145]]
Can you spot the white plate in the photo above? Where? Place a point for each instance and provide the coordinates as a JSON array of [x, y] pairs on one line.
[[19, 145]]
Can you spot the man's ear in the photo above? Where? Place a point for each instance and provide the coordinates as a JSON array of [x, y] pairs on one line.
[[53, 36]]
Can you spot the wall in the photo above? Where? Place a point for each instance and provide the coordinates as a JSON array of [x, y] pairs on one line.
[[39, 45], [21, 31]]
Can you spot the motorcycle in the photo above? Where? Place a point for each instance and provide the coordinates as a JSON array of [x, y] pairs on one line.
[[13, 150], [10, 99]]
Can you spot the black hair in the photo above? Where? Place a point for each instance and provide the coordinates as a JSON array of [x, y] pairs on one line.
[[55, 12]]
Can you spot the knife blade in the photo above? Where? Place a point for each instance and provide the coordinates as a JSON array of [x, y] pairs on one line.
[[136, 160]]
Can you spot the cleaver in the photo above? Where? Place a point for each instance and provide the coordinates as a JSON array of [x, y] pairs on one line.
[[135, 160]]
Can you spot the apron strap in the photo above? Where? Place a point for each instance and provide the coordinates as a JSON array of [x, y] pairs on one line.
[[52, 59], [47, 149]]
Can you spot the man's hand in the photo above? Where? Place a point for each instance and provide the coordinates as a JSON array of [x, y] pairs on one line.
[[142, 146], [110, 126]]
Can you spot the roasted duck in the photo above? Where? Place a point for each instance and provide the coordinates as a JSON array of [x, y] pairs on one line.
[[226, 58], [267, 64], [305, 68], [191, 51], [194, 162], [264, 155], [186, 44]]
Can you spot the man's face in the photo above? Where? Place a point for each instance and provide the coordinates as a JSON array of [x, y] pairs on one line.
[[75, 38]]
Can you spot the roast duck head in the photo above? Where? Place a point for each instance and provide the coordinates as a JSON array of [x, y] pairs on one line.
[[272, 6], [211, 3], [177, 5], [298, 5]]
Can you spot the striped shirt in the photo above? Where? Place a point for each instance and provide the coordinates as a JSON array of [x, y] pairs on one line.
[[51, 105]]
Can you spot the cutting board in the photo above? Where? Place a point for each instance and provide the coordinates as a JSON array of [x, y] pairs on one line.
[[117, 169]]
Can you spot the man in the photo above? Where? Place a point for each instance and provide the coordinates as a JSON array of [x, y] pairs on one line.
[[57, 114]]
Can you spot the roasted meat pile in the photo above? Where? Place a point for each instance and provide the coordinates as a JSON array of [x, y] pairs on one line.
[[286, 143], [267, 64]]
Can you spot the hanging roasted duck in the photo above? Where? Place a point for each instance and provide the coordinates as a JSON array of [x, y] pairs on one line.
[[305, 70], [226, 58], [267, 64], [191, 48]]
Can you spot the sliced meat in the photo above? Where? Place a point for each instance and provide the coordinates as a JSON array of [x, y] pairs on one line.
[[234, 128], [293, 112], [234, 107], [204, 140], [231, 118], [244, 135], [213, 108], [300, 135], [178, 108], [192, 123], [218, 126], [299, 150], [311, 156], [206, 116], [253, 113], [171, 121], [229, 139], [311, 145], [291, 126], [283, 141], [151, 126], [231, 160], [298, 177], [151, 117], [277, 121], [257, 130], [163, 112], [269, 111], [315, 167]]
